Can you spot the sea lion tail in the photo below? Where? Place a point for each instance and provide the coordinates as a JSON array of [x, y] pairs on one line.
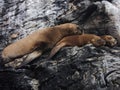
[[55, 50]]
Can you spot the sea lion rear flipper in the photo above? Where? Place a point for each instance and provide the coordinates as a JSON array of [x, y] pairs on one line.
[[55, 50], [30, 57]]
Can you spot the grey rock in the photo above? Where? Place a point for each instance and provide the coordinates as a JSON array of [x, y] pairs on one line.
[[90, 68]]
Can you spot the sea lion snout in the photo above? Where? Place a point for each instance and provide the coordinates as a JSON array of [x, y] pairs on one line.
[[78, 30]]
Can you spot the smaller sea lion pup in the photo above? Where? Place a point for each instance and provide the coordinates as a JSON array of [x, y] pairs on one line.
[[110, 40], [77, 40], [39, 41]]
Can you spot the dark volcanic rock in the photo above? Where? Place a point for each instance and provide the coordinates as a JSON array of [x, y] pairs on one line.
[[17, 80], [86, 68], [72, 68]]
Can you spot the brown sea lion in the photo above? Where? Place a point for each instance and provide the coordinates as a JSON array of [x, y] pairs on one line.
[[39, 41], [77, 40], [110, 40]]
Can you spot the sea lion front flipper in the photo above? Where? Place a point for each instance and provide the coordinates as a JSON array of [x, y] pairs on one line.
[[30, 57], [56, 49]]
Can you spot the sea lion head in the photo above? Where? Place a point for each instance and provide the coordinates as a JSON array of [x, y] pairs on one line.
[[110, 40], [97, 41], [72, 29]]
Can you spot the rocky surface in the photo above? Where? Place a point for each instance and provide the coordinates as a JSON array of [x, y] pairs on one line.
[[73, 68]]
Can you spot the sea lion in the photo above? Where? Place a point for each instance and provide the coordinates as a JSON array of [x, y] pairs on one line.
[[77, 40], [39, 41], [110, 40]]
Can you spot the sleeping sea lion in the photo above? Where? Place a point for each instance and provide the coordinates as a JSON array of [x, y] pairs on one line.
[[77, 40], [37, 42]]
